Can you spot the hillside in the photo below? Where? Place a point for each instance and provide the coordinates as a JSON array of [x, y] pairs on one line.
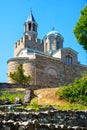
[[46, 96]]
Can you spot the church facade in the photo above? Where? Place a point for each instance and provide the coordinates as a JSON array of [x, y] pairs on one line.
[[48, 63]]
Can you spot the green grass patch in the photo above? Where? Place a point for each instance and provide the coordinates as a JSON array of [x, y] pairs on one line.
[[33, 105], [71, 107], [11, 96]]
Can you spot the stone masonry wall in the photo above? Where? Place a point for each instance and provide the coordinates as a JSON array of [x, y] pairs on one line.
[[64, 74], [44, 119], [72, 72], [28, 66], [25, 42], [47, 71], [19, 45], [72, 53], [36, 44]]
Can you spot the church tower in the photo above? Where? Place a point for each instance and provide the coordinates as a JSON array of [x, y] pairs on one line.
[[29, 39], [30, 27]]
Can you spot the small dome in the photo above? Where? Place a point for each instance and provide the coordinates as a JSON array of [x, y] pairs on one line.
[[53, 33]]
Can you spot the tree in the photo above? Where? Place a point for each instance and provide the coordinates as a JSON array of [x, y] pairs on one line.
[[19, 77], [80, 29]]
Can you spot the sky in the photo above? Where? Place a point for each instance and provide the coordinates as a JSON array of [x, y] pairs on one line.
[[59, 14]]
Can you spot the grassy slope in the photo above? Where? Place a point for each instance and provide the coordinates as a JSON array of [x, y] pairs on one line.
[[47, 96]]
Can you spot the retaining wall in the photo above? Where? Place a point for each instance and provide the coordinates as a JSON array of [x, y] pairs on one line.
[[44, 120]]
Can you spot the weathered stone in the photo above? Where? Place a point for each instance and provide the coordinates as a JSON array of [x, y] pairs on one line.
[[28, 96], [18, 100], [21, 128], [49, 120], [6, 101]]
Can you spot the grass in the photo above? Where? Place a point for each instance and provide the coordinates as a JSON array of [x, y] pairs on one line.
[[47, 96], [44, 99], [72, 107], [11, 96]]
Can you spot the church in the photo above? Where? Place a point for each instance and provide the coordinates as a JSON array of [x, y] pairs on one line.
[[48, 63]]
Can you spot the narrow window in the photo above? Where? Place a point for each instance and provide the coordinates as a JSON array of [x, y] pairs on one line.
[[34, 27], [58, 45], [68, 59], [46, 47], [29, 26]]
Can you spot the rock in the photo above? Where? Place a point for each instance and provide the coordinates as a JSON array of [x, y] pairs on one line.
[[18, 101], [6, 101], [10, 108], [21, 128], [1, 102], [36, 123], [5, 127], [28, 96], [77, 128]]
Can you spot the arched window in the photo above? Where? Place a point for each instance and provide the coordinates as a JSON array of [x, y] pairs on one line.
[[34, 29], [68, 59], [29, 26], [58, 46], [46, 47]]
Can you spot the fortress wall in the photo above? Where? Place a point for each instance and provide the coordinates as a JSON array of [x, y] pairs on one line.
[[33, 43], [26, 42], [19, 45]]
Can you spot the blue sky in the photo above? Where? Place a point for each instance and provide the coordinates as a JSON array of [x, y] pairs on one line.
[[60, 14]]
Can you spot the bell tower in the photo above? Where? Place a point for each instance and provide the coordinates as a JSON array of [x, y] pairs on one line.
[[30, 27]]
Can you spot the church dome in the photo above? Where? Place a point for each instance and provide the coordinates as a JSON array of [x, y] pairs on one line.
[[53, 41], [54, 33]]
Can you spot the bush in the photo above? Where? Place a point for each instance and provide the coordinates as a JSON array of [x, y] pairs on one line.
[[76, 92]]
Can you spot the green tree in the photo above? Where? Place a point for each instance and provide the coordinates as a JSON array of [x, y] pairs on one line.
[[19, 77], [80, 29]]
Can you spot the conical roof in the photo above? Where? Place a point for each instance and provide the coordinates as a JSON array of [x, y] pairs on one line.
[[31, 17]]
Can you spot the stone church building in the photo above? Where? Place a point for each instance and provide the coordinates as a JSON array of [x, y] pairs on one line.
[[48, 63]]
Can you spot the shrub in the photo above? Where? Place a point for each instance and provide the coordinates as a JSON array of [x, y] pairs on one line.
[[76, 92]]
